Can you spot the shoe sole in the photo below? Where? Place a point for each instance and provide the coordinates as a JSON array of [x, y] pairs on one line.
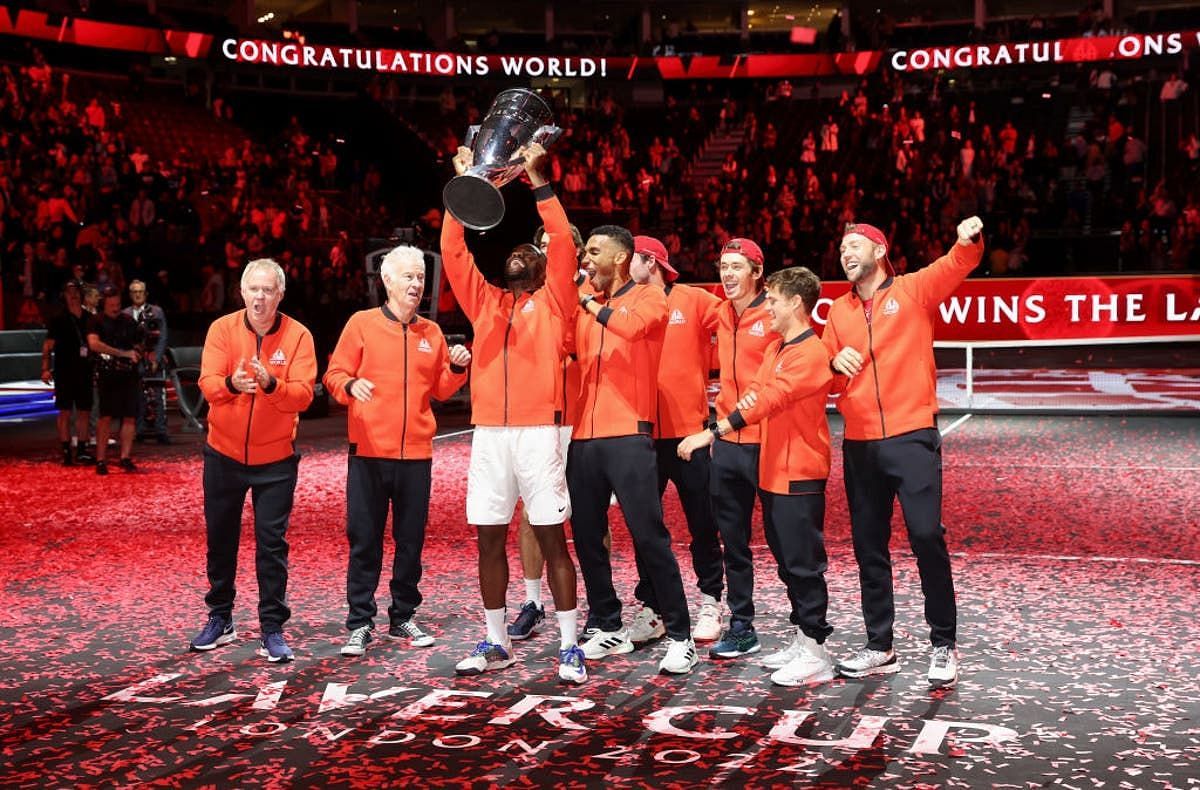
[[666, 671], [495, 665], [943, 684], [573, 678], [353, 651], [275, 659], [425, 641], [705, 637], [223, 639], [735, 653], [820, 677], [855, 674]]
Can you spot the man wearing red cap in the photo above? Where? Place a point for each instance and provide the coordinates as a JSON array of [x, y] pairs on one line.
[[682, 409], [880, 334], [743, 326]]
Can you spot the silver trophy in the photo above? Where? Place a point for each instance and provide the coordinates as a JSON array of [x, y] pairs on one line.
[[518, 117]]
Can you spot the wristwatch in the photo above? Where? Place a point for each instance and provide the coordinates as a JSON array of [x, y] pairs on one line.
[[585, 299], [715, 428]]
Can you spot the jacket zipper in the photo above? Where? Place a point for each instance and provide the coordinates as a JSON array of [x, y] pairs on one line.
[[404, 425], [737, 388], [599, 362], [512, 314], [875, 372], [253, 396]]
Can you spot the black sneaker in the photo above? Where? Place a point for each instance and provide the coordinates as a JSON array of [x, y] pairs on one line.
[[410, 632], [528, 619], [68, 460], [101, 468], [216, 632], [84, 458], [127, 464], [162, 438]]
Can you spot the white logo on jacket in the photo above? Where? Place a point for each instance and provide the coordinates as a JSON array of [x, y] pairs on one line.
[[757, 329], [527, 307], [891, 307], [677, 317], [278, 358], [424, 346]]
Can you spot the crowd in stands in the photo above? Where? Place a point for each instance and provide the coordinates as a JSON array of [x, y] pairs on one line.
[[80, 200]]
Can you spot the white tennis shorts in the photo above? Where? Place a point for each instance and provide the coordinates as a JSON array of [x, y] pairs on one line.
[[517, 461]]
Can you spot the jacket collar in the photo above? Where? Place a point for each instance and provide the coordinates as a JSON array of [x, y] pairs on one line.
[[624, 289], [274, 327], [800, 338], [389, 315], [885, 284]]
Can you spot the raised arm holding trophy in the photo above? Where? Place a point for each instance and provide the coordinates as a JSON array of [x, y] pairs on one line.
[[517, 118]]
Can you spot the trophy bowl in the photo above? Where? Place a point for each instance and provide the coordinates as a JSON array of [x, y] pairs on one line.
[[516, 118]]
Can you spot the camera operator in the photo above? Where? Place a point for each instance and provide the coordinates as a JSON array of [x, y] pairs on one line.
[[151, 322], [113, 336], [72, 374]]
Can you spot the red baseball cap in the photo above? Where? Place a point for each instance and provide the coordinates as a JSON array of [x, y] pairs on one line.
[[648, 245], [871, 232], [749, 249]]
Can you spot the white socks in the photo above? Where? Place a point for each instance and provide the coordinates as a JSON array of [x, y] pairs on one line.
[[567, 623], [533, 591], [497, 634]]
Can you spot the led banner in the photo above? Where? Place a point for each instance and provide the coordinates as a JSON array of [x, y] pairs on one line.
[[298, 54], [103, 35], [1065, 50], [1051, 308]]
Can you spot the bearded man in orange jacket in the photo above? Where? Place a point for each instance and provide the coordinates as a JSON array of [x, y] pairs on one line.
[[880, 334], [517, 408]]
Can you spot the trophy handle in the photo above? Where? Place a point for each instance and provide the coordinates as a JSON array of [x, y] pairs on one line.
[[546, 135], [472, 133]]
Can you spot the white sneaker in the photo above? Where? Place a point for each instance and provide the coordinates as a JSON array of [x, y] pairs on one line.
[[812, 664], [943, 667], [647, 626], [486, 655], [869, 662], [598, 644], [570, 665], [782, 657], [681, 657], [708, 620]]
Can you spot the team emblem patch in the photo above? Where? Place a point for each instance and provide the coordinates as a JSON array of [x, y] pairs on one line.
[[757, 329], [278, 358], [677, 317], [424, 346], [891, 307], [527, 307]]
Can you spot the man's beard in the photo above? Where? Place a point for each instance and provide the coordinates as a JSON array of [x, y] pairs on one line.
[[521, 278]]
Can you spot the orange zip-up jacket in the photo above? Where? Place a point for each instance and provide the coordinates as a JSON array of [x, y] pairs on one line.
[[259, 428], [683, 369], [618, 353], [741, 342], [896, 391], [792, 387], [516, 372], [409, 365]]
